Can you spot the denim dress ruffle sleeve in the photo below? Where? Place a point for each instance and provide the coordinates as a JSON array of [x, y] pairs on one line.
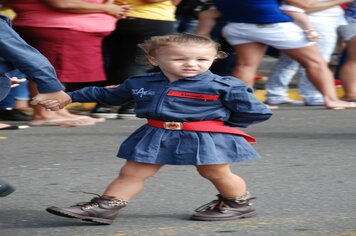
[[157, 99]]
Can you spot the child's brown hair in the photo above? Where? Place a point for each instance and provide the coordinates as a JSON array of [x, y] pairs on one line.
[[156, 42]]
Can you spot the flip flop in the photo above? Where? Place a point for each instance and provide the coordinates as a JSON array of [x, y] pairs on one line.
[[350, 105], [66, 122], [13, 127]]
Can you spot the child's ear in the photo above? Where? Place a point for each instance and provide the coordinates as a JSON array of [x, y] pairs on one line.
[[153, 61]]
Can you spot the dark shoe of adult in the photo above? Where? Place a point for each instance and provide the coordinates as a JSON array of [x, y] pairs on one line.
[[127, 111], [13, 115], [5, 189], [106, 112], [226, 209], [101, 209]]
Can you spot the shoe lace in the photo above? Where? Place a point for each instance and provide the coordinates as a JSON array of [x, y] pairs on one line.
[[221, 206], [218, 205], [111, 201]]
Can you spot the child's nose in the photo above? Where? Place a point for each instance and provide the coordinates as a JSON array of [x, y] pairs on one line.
[[191, 62]]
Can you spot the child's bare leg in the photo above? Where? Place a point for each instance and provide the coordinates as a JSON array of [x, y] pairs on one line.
[[104, 209], [131, 180], [227, 183]]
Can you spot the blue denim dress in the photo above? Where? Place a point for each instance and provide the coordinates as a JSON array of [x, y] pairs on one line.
[[188, 99]]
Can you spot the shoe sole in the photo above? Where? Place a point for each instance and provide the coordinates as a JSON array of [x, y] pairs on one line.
[[106, 116], [7, 191], [58, 212], [129, 117], [247, 215]]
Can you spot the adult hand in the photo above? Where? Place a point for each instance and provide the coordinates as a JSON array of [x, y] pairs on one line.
[[117, 9], [16, 81], [52, 101]]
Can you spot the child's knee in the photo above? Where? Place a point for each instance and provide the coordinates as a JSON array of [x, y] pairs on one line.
[[212, 172], [138, 170]]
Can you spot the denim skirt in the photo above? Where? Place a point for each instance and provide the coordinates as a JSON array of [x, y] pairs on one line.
[[178, 147]]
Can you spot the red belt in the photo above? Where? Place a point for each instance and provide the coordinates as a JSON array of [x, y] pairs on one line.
[[203, 126]]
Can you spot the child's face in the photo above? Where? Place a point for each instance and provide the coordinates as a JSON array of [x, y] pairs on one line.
[[178, 61]]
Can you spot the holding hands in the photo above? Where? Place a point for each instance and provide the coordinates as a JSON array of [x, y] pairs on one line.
[[52, 101]]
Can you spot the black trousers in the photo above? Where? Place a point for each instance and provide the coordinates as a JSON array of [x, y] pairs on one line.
[[122, 57]]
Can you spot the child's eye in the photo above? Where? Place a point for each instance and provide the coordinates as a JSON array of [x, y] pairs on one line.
[[203, 59], [177, 59]]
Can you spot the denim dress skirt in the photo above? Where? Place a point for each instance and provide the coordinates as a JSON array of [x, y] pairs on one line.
[[175, 147]]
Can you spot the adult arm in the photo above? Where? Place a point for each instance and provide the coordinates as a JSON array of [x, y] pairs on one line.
[[27, 59], [32, 63], [80, 6], [319, 6], [176, 2], [300, 3]]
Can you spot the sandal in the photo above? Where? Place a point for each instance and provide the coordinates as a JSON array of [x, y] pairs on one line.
[[350, 105], [312, 35], [65, 122]]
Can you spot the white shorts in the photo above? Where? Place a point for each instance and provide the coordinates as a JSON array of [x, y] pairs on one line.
[[285, 35], [347, 31]]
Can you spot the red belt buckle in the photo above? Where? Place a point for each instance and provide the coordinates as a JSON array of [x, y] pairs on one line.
[[173, 125]]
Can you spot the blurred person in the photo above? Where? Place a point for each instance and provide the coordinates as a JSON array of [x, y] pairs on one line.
[[12, 106], [147, 18], [210, 24], [187, 14], [347, 73], [255, 24], [69, 33], [20, 59], [326, 16], [191, 113], [16, 55]]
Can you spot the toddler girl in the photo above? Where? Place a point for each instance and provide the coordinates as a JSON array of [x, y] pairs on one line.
[[189, 113]]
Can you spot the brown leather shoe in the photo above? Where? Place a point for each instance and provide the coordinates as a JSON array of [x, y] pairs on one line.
[[102, 209], [226, 209]]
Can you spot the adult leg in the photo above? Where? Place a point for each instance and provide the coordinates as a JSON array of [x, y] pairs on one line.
[[348, 71], [319, 74], [127, 58], [248, 58], [326, 45]]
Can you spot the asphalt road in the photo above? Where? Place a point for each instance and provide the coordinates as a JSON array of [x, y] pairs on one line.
[[305, 183]]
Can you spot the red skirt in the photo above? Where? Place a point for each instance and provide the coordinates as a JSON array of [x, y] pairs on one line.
[[76, 56]]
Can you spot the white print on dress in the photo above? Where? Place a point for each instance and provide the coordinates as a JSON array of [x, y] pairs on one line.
[[142, 92]]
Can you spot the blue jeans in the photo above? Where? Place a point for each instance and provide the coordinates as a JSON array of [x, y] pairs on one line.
[[20, 92]]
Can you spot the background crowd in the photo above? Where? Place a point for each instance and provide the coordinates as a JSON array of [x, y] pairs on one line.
[[94, 42]]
